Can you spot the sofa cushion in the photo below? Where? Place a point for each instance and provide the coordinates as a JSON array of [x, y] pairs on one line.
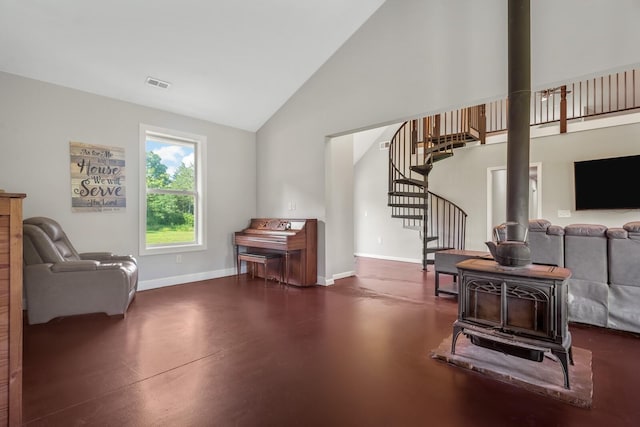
[[632, 227], [624, 257], [555, 230], [588, 302], [585, 230], [617, 233], [546, 243], [539, 225], [585, 252], [623, 309]]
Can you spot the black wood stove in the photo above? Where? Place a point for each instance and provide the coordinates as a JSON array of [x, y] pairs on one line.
[[517, 311], [516, 307]]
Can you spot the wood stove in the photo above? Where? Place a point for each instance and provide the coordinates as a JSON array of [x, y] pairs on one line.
[[518, 311]]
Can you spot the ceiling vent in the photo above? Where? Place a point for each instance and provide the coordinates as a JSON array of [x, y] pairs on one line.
[[152, 81]]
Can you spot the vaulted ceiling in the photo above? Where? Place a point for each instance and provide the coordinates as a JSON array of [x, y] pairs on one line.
[[232, 62]]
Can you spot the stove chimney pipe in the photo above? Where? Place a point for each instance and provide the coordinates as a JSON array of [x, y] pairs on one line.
[[518, 133], [514, 252]]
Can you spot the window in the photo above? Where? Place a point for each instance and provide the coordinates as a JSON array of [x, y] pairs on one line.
[[172, 188]]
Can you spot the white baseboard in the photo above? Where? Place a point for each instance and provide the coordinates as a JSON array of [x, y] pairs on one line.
[[324, 281], [343, 275], [145, 285], [390, 258], [328, 282]]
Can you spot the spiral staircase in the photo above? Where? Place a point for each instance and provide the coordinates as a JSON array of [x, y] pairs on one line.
[[413, 151]]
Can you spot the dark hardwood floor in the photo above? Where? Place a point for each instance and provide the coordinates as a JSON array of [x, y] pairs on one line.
[[221, 352]]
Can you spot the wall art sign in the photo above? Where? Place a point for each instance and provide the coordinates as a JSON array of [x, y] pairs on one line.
[[97, 178]]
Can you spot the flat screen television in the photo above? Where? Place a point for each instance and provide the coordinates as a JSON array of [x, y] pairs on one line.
[[607, 183]]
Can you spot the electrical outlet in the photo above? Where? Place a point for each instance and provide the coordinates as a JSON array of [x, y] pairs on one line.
[[379, 240], [562, 213], [178, 259]]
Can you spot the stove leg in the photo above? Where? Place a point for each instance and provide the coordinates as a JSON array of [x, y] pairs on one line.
[[456, 332], [562, 358]]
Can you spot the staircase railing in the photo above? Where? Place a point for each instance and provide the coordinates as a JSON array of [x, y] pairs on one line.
[[412, 151], [447, 221]]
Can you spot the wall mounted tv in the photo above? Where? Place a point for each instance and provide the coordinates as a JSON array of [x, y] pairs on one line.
[[607, 183]]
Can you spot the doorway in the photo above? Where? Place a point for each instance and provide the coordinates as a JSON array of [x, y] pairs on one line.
[[497, 195]]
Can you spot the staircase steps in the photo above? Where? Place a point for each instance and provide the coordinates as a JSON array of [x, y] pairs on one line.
[[407, 216], [435, 249], [407, 194], [441, 155], [409, 181], [440, 147], [458, 139], [406, 205], [423, 169]]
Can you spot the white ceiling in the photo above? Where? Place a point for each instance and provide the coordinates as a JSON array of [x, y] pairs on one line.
[[232, 62]]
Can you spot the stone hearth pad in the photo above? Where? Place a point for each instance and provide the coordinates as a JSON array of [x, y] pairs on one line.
[[544, 377]]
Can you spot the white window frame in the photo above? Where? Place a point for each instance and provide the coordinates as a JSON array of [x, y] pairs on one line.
[[200, 144]]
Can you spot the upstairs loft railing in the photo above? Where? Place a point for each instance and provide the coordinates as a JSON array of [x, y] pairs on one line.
[[615, 93]]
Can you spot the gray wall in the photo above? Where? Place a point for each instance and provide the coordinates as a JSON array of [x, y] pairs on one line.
[[37, 121], [376, 233], [392, 68]]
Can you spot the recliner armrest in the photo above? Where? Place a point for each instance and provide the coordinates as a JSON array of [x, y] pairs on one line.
[[96, 255], [106, 256], [67, 266], [109, 265]]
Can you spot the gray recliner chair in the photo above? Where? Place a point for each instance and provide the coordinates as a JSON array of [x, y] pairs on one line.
[[58, 281]]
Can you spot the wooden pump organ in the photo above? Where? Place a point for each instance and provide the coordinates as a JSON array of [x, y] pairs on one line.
[[296, 240]]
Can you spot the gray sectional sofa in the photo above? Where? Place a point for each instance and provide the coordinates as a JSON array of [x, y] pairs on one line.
[[604, 288]]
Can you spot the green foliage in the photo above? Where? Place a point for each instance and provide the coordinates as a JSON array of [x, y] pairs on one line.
[[183, 178], [157, 176], [169, 212]]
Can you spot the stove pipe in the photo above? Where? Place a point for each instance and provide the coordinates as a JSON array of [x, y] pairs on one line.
[[519, 76]]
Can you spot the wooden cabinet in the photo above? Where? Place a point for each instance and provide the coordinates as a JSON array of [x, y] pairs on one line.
[[11, 309]]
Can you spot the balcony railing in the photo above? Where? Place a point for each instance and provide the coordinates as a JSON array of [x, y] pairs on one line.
[[598, 96]]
